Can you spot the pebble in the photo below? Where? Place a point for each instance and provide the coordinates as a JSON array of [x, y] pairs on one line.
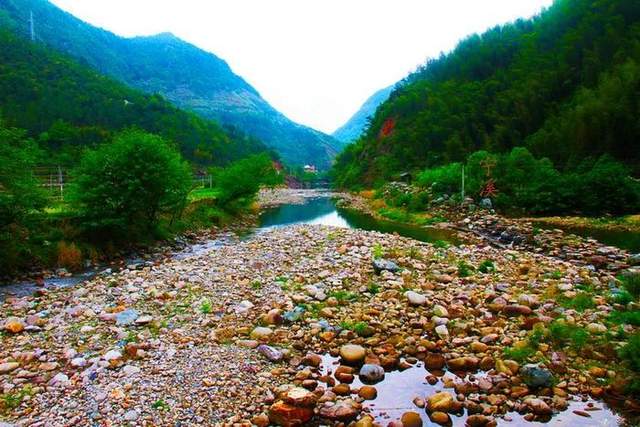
[[131, 415], [352, 353], [415, 298], [126, 317], [271, 353], [261, 333]]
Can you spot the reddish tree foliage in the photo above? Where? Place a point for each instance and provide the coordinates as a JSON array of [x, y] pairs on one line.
[[388, 127]]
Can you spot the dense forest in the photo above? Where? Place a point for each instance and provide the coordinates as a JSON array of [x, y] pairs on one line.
[[187, 76], [564, 84], [65, 106]]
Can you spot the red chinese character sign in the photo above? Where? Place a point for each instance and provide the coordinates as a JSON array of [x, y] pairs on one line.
[[489, 190]]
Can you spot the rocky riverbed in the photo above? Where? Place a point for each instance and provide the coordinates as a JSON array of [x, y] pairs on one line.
[[322, 325]]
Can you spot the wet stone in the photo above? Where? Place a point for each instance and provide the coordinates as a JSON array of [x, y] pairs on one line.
[[535, 376], [371, 374]]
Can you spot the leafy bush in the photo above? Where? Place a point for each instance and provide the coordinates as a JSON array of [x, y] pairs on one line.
[[442, 180], [121, 188], [21, 199], [240, 181]]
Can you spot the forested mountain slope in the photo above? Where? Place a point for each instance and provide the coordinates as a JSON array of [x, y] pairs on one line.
[[186, 75], [65, 105], [354, 127], [565, 84]]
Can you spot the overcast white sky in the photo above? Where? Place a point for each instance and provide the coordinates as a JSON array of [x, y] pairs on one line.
[[316, 61]]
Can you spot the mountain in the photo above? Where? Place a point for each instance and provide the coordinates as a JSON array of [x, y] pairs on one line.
[[354, 127], [67, 106], [564, 84], [186, 75]]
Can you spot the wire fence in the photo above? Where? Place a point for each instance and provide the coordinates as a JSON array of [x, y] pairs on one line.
[[56, 179]]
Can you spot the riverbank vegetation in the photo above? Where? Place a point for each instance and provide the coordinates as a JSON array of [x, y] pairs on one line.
[[125, 193], [564, 85]]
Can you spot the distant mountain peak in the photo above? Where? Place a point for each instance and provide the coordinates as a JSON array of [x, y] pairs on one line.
[[357, 124], [190, 77]]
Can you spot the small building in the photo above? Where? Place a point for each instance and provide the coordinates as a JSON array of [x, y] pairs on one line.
[[310, 169]]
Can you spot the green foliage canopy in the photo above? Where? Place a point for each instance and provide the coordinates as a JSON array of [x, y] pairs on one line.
[[122, 187]]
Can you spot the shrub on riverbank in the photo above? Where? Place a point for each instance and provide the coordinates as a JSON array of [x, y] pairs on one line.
[[122, 188], [125, 194], [522, 182], [21, 198], [239, 183]]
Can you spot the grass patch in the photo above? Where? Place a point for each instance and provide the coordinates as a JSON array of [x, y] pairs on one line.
[[464, 269], [581, 302], [393, 214], [631, 283], [441, 244], [343, 296], [621, 297], [625, 317], [360, 328], [256, 284], [373, 288], [630, 353], [13, 399], [160, 405], [206, 307], [203, 194], [487, 266], [378, 252], [562, 333]]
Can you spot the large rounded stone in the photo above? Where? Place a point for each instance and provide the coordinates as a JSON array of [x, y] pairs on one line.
[[287, 415], [440, 402], [371, 374], [261, 333], [352, 353], [441, 418], [345, 410], [440, 311], [299, 396], [535, 376], [434, 361], [415, 298], [368, 392], [14, 325], [411, 419], [463, 364], [5, 368]]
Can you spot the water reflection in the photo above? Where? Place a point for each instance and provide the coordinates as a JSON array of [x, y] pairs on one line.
[[323, 211], [398, 390], [620, 239]]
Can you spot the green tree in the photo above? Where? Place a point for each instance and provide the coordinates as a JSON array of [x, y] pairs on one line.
[[124, 186], [240, 181], [21, 196]]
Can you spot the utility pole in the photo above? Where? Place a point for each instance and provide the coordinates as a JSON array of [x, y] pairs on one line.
[[462, 183], [32, 25]]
